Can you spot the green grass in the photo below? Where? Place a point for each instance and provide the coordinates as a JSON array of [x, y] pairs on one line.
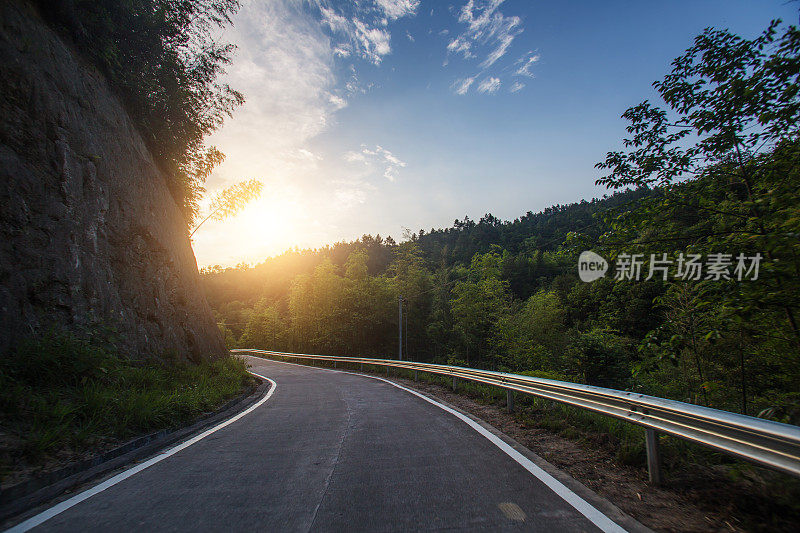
[[60, 395]]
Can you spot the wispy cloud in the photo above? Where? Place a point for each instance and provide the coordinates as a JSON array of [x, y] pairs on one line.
[[489, 85], [364, 27], [462, 86], [488, 36], [337, 101], [379, 158], [350, 194], [304, 154], [525, 63], [395, 9], [516, 86], [284, 67], [354, 157], [486, 28], [371, 43], [461, 46]]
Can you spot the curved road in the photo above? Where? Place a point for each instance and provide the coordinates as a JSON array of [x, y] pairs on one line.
[[332, 451]]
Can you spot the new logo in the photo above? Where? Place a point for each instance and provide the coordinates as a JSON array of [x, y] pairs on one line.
[[591, 266]]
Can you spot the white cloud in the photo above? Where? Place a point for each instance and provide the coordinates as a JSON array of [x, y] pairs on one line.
[[349, 196], [337, 101], [486, 28], [503, 44], [365, 27], [374, 41], [516, 86], [410, 37], [371, 43], [461, 46], [353, 157], [489, 85], [342, 51], [525, 63], [377, 158], [284, 68], [395, 9], [488, 35], [462, 86], [308, 155]]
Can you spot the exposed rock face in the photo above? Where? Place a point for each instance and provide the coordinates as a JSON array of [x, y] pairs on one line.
[[89, 232]]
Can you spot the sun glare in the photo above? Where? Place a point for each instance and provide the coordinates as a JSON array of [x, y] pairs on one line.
[[268, 226], [269, 222]]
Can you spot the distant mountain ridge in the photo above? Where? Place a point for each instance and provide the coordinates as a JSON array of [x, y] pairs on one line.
[[544, 231]]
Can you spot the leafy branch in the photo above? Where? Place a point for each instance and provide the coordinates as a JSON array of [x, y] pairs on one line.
[[230, 201]]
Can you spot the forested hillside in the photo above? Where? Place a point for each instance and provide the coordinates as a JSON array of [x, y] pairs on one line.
[[707, 183]]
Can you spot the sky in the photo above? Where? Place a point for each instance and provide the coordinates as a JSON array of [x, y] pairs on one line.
[[389, 116]]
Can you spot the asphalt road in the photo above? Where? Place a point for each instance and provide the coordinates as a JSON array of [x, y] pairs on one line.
[[331, 451]]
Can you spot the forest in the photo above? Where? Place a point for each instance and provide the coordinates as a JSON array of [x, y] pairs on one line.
[[711, 175]]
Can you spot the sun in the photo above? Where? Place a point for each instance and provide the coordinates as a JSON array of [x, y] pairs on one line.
[[269, 221]]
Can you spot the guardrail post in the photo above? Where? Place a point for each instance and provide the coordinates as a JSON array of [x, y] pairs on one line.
[[362, 367], [510, 400], [387, 371], [334, 364], [454, 383], [653, 456], [416, 377]]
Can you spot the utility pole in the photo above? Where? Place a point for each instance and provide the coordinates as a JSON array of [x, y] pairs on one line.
[[400, 327]]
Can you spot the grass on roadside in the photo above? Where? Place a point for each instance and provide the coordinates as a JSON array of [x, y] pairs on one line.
[[61, 394]]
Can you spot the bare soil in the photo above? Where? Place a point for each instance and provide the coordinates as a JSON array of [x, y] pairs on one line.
[[693, 498]]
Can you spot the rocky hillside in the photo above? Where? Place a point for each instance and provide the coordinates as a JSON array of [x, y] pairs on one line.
[[89, 233]]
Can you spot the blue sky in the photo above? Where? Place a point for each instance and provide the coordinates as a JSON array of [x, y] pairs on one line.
[[379, 115]]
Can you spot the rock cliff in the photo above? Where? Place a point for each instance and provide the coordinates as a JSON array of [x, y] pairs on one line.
[[89, 233]]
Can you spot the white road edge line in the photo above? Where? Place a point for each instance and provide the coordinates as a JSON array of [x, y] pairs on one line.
[[57, 509], [596, 517]]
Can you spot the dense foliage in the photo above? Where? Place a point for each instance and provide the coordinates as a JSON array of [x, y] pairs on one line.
[[716, 172], [161, 57]]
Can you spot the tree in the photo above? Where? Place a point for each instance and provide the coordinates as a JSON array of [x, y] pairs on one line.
[[731, 130], [411, 280], [733, 97], [534, 337], [478, 304], [230, 201], [264, 329]]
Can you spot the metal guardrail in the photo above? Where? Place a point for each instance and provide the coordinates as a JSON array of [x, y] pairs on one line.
[[765, 442]]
